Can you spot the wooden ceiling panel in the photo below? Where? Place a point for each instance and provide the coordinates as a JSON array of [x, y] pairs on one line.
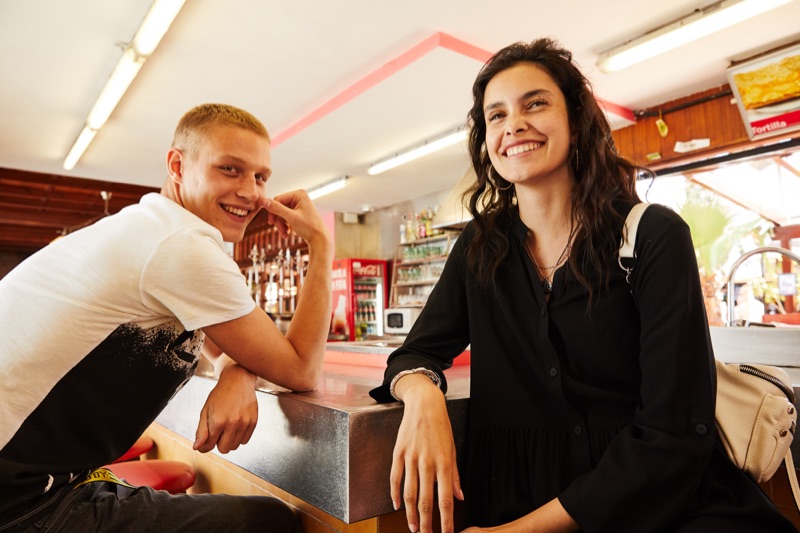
[[36, 208]]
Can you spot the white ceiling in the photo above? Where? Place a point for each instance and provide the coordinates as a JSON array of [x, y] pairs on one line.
[[283, 59]]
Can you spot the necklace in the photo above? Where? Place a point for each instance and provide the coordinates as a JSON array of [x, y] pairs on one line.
[[548, 272]]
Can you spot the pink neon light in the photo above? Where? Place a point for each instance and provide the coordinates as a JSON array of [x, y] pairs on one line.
[[616, 109], [372, 79], [356, 89], [463, 48]]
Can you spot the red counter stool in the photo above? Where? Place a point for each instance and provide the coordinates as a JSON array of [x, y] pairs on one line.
[[140, 447], [161, 474]]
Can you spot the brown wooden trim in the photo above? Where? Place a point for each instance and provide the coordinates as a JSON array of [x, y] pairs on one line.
[[68, 183], [35, 207]]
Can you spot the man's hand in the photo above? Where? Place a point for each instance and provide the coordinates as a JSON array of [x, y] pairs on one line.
[[295, 210], [230, 413]]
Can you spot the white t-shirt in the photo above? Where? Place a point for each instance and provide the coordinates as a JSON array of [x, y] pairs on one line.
[[99, 330]]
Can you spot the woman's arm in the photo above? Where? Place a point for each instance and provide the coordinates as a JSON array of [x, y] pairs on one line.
[[549, 518], [649, 473], [441, 331], [424, 453]]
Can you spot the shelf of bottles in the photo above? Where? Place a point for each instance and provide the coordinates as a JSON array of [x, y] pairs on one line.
[[273, 265], [418, 265], [418, 225]]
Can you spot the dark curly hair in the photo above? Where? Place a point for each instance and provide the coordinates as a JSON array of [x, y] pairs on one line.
[[601, 176]]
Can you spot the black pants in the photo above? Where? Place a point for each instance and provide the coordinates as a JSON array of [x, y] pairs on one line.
[[103, 506]]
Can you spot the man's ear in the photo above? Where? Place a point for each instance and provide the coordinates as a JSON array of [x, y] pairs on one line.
[[175, 165]]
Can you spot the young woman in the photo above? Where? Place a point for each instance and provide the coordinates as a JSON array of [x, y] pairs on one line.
[[592, 400]]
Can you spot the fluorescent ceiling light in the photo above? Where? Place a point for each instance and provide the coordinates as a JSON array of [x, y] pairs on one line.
[[700, 23], [153, 27], [126, 70], [79, 147], [422, 150], [327, 188]]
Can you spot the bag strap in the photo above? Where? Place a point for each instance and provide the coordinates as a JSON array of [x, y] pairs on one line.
[[627, 251], [790, 472]]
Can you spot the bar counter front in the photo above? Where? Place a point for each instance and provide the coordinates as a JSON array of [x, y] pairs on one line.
[[326, 452]]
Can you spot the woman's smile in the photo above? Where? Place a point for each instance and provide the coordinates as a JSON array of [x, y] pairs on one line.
[[517, 149]]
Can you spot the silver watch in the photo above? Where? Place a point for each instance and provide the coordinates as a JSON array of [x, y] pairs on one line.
[[434, 377]]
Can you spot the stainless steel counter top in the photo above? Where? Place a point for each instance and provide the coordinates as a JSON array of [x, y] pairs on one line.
[[384, 346], [331, 447]]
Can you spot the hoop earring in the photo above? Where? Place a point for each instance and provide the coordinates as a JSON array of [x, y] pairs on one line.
[[493, 177], [502, 188]]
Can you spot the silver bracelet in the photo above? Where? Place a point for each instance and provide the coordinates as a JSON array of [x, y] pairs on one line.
[[434, 377]]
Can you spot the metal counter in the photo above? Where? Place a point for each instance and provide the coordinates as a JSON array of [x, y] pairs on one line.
[[331, 447]]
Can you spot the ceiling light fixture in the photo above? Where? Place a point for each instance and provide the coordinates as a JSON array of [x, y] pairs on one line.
[[327, 188], [83, 140], [153, 27], [424, 149], [700, 23]]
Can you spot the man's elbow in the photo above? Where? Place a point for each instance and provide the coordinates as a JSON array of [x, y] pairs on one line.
[[307, 381], [302, 378]]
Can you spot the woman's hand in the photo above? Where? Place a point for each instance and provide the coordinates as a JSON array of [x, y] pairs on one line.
[[549, 518], [424, 455]]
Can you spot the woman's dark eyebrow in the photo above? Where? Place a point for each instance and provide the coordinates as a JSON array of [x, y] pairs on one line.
[[526, 96]]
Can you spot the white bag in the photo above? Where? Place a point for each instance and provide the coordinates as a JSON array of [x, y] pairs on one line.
[[755, 417]]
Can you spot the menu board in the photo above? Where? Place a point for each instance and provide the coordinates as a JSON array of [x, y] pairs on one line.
[[767, 91]]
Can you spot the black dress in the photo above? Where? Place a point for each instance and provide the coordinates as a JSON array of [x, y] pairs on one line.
[[610, 408]]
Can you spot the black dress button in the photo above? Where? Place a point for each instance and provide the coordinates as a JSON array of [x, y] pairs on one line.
[[544, 311], [701, 429], [553, 372], [578, 430]]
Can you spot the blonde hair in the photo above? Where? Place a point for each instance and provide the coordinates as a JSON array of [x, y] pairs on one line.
[[202, 117]]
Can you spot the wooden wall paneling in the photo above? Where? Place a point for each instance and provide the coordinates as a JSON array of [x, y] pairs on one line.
[[716, 119], [35, 208]]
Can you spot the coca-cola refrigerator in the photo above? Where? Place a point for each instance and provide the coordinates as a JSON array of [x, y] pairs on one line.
[[359, 298]]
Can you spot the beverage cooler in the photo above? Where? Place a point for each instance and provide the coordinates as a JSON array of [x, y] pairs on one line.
[[359, 299]]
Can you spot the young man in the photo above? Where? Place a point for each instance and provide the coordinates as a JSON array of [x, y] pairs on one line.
[[101, 328]]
